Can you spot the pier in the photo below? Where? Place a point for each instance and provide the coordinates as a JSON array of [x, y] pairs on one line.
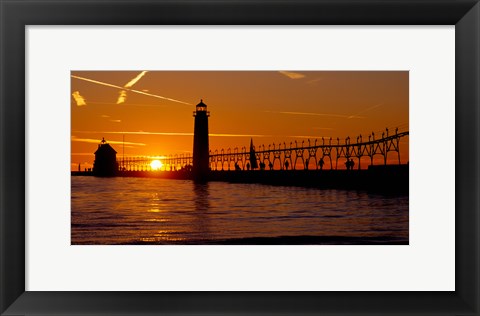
[[382, 179], [316, 163]]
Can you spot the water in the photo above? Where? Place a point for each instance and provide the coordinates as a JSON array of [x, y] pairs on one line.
[[160, 211]]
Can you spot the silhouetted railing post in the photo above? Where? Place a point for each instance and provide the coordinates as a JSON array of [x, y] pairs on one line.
[[309, 150]]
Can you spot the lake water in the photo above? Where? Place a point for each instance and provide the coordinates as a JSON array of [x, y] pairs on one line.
[[160, 211]]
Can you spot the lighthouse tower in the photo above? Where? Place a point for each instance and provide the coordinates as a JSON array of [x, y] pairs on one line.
[[200, 143]]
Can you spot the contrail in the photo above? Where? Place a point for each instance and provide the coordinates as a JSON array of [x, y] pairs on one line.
[[123, 94], [135, 80], [95, 141], [367, 109], [133, 90], [170, 133], [318, 114]]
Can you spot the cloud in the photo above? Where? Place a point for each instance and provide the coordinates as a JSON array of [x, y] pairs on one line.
[[317, 114], [309, 137], [132, 90], [135, 104], [314, 81], [78, 98], [97, 141], [105, 115], [238, 135], [116, 121], [191, 134], [137, 133], [135, 80], [292, 75], [82, 154], [142, 133]]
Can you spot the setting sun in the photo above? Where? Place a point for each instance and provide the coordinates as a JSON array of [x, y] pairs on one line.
[[156, 164]]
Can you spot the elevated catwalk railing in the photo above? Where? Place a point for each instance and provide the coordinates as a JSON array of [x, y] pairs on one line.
[[316, 154], [307, 155]]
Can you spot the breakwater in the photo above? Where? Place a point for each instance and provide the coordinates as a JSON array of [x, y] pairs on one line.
[[382, 178]]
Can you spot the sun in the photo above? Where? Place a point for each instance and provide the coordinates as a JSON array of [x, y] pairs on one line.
[[156, 164]]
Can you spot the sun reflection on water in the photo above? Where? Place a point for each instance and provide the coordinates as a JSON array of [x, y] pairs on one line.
[[137, 210]]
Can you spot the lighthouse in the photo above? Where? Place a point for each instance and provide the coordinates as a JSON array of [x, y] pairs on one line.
[[200, 143]]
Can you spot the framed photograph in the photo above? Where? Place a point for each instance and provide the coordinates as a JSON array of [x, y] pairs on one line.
[[331, 157], [279, 175]]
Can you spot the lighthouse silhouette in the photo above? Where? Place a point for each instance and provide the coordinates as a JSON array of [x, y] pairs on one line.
[[200, 143]]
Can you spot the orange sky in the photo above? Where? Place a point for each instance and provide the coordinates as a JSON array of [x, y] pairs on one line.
[[268, 106]]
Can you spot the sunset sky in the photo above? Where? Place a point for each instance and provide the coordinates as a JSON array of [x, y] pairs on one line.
[[153, 109]]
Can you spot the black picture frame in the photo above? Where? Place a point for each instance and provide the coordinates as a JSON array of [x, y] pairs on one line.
[[16, 14]]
